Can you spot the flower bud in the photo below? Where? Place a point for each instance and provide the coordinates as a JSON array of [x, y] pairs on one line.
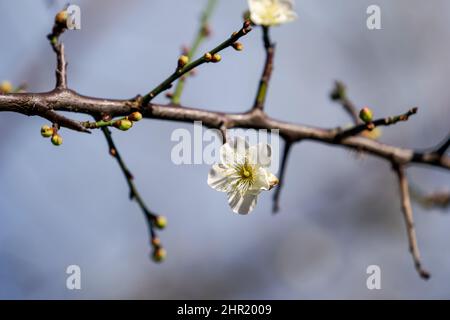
[[366, 115], [61, 18], [159, 254], [208, 56], [160, 222], [135, 116], [6, 87], [46, 131], [57, 140], [182, 61], [238, 46], [123, 124], [216, 58]]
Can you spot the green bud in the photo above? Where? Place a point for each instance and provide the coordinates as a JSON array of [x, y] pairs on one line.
[[123, 124], [182, 61], [160, 222], [208, 56], [159, 254], [46, 131], [57, 140], [216, 57], [366, 115], [135, 116]]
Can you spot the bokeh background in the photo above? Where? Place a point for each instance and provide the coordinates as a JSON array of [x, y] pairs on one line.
[[340, 213]]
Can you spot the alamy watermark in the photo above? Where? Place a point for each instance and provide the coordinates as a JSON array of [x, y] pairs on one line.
[[373, 281], [73, 281], [373, 21], [201, 146], [74, 17]]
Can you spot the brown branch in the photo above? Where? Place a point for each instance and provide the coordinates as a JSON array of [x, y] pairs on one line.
[[267, 71], [409, 220], [284, 159], [70, 101], [58, 29]]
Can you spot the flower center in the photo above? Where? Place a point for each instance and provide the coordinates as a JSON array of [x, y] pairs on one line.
[[246, 176]]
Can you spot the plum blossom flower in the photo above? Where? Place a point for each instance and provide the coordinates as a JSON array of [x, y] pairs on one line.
[[271, 12], [242, 173]]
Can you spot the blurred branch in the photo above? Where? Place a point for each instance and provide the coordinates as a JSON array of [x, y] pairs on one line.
[[443, 147], [409, 220], [202, 34], [436, 199], [339, 94], [276, 195]]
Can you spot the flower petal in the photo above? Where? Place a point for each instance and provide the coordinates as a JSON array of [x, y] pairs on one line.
[[261, 154], [218, 178], [233, 151], [242, 204]]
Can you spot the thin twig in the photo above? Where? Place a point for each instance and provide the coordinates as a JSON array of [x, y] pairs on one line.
[[261, 93], [409, 220], [134, 194], [377, 123], [339, 94], [179, 72], [281, 175]]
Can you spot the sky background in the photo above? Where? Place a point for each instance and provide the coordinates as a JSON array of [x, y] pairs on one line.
[[339, 212]]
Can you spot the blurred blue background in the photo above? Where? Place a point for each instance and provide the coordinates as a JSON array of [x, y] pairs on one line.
[[339, 212]]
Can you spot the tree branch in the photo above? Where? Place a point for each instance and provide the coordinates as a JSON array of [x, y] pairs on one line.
[[409, 220], [70, 101], [179, 72], [377, 123], [134, 194], [267, 71], [276, 195]]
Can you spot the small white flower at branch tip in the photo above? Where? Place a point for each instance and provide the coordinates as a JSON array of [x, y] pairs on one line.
[[242, 173], [271, 12]]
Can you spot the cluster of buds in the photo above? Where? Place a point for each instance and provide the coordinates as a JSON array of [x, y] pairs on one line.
[[366, 115], [127, 122], [212, 57], [47, 132], [159, 253]]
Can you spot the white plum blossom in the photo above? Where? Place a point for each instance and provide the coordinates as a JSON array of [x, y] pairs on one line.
[[242, 173], [271, 12]]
